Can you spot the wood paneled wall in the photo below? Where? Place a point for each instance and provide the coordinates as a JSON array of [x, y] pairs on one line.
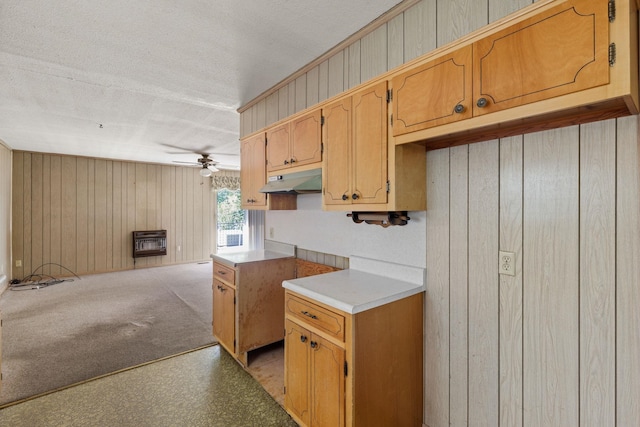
[[5, 215], [558, 343], [80, 212]]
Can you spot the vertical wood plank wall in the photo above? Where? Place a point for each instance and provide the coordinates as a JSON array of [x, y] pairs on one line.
[[80, 213], [5, 216], [558, 343]]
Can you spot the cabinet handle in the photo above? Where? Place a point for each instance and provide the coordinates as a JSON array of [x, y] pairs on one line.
[[222, 289], [354, 196], [303, 338], [292, 161], [459, 109], [306, 313], [482, 102], [222, 272], [345, 197], [313, 344], [286, 162]]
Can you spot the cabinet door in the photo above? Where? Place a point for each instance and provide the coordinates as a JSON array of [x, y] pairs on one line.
[[278, 155], [253, 174], [559, 51], [224, 314], [306, 141], [336, 174], [297, 364], [327, 383], [433, 94], [369, 164]]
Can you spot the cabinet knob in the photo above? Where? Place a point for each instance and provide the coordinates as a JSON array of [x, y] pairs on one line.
[[482, 102], [313, 344], [459, 109], [286, 162], [303, 338], [292, 161], [354, 196], [345, 197]]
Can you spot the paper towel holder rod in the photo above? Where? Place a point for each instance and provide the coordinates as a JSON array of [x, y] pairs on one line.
[[384, 219]]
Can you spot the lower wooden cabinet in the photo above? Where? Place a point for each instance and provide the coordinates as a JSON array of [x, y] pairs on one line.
[[224, 301], [248, 301], [362, 369], [315, 384]]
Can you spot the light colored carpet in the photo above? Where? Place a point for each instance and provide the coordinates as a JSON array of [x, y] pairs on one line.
[[74, 331]]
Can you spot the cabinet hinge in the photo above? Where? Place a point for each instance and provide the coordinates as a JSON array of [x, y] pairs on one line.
[[388, 186], [346, 369], [612, 54], [389, 95], [321, 120], [391, 120], [612, 10]]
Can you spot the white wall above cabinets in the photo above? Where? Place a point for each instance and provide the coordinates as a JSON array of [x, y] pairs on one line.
[[309, 227]]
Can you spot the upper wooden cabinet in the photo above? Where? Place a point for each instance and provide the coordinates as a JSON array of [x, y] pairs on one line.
[[295, 143], [434, 93], [558, 51], [355, 140], [361, 170], [253, 176], [552, 64]]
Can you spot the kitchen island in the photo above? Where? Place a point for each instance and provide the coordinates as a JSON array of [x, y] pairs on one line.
[[248, 299]]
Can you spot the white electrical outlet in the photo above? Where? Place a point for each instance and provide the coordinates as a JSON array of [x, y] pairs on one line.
[[507, 263]]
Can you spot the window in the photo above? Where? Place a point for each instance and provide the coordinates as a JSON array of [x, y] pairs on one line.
[[231, 226]]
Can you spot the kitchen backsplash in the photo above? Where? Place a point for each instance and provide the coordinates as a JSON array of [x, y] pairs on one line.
[[323, 258]]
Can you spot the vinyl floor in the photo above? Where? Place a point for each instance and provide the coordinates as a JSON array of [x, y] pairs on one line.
[[206, 387]]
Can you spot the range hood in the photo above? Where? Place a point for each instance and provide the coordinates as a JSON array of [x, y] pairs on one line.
[[295, 183]]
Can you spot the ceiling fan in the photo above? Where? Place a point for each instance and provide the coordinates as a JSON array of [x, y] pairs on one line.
[[208, 165]]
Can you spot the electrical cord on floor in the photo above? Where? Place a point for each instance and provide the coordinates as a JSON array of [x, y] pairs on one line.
[[39, 281]]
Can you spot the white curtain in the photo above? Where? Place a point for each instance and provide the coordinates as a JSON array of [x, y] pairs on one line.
[[256, 229]]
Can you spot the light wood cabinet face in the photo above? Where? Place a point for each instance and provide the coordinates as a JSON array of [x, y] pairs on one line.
[[556, 52], [278, 156], [336, 174], [314, 378], [327, 383], [295, 143], [297, 364], [253, 174], [434, 93], [355, 140], [306, 139], [224, 314], [370, 145]]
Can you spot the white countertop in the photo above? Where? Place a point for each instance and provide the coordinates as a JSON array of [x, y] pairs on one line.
[[232, 259], [354, 290], [272, 250]]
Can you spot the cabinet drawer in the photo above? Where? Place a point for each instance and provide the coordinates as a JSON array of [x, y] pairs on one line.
[[316, 316], [224, 273]]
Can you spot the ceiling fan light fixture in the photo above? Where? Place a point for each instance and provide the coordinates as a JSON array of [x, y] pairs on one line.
[[205, 171]]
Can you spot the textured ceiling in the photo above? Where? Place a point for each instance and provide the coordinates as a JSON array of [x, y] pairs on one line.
[[132, 80]]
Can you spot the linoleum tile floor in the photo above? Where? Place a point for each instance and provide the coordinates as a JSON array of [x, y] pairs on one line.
[[205, 387]]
